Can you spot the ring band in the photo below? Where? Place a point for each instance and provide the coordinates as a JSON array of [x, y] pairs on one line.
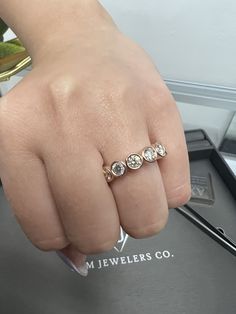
[[134, 161]]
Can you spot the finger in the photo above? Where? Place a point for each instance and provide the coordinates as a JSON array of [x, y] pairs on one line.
[[74, 260], [175, 166], [26, 187], [35, 209], [140, 194], [85, 202]]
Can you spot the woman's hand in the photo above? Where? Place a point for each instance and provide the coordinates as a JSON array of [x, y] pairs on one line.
[[89, 100]]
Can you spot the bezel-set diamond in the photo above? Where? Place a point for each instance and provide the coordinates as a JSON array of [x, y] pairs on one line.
[[118, 168], [134, 161], [160, 149], [149, 154]]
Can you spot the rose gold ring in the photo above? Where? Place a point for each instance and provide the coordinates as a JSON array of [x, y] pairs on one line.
[[134, 161]]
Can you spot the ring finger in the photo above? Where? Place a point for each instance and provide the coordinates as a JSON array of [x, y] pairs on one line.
[[139, 195]]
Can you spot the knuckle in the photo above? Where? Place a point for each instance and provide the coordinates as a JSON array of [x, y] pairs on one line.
[[160, 93], [53, 244], [96, 247], [180, 196], [61, 88], [150, 230], [97, 242]]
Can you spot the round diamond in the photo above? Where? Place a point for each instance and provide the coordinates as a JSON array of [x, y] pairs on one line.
[[149, 154], [108, 174], [134, 161], [160, 149], [118, 168]]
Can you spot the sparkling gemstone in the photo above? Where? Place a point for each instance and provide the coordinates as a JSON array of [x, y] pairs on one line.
[[134, 161], [118, 168], [108, 174], [149, 154], [160, 149]]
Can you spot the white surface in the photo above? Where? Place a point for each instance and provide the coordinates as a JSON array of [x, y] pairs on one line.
[[9, 35], [189, 39], [231, 161], [7, 85], [214, 121]]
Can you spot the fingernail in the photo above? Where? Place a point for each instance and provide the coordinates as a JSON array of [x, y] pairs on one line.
[[81, 268]]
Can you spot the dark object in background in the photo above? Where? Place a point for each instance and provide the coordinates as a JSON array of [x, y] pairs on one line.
[[213, 184], [3, 29], [202, 189], [217, 234], [228, 144]]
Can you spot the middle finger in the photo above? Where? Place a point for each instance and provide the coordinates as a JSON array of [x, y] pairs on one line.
[[84, 200]]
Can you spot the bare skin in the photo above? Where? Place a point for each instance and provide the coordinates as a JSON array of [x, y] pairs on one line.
[[88, 101]]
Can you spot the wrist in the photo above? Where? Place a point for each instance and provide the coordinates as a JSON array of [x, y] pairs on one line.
[[56, 23]]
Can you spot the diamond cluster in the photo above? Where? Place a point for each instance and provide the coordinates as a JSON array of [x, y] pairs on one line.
[[134, 161]]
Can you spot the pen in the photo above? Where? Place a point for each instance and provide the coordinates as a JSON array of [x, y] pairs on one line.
[[204, 225]]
